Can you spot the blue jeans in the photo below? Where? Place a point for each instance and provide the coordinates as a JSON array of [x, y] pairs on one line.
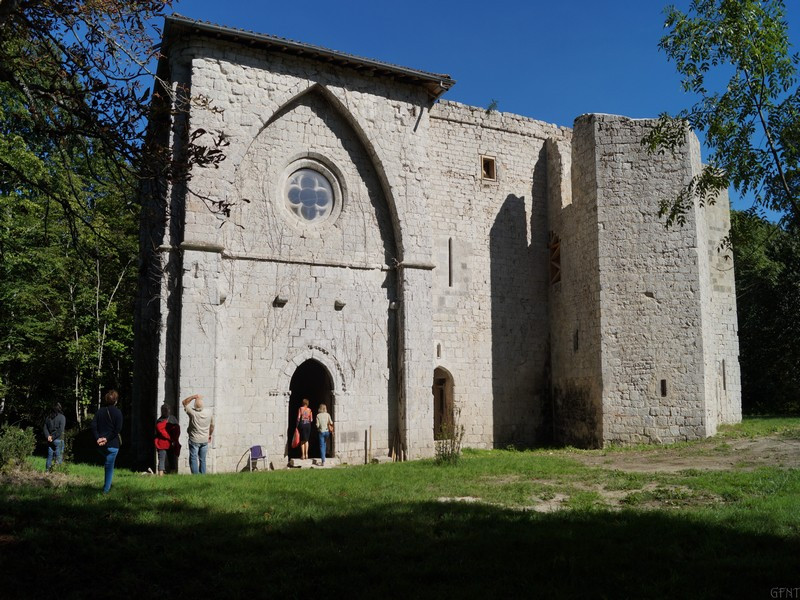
[[323, 443], [162, 460], [197, 450], [55, 448], [110, 455]]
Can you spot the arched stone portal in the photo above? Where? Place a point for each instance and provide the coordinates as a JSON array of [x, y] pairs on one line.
[[443, 419], [310, 380]]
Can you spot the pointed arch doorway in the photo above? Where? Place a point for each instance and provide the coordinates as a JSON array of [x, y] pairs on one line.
[[443, 417], [310, 380]]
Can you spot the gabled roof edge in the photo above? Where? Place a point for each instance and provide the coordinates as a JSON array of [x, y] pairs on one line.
[[436, 84]]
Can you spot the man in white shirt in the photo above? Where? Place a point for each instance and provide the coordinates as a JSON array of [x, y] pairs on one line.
[[200, 430]]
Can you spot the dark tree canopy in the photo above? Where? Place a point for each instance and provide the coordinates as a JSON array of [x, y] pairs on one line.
[[767, 263]]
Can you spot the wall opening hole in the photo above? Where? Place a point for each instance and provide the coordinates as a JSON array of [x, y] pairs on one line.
[[311, 380], [438, 351], [443, 417], [663, 388], [555, 258], [450, 262], [724, 376], [488, 168]]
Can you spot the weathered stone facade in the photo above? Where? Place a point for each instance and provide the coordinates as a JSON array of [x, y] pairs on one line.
[[523, 263]]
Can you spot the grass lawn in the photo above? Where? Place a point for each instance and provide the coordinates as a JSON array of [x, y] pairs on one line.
[[508, 524]]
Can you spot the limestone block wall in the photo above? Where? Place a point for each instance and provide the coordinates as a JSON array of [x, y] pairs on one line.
[[370, 134], [720, 329], [309, 130], [260, 98], [201, 371], [490, 282], [576, 402], [260, 345], [652, 284]]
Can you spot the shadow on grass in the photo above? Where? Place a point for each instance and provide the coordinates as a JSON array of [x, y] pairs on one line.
[[163, 546]]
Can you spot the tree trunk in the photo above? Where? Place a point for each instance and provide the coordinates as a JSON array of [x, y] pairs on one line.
[[78, 415]]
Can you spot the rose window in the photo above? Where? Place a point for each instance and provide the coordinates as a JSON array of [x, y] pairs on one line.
[[309, 195]]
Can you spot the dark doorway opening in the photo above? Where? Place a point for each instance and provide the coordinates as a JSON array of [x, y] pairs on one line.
[[443, 421], [310, 380]]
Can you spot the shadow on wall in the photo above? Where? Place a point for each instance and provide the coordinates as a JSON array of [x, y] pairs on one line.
[[393, 362], [577, 421], [513, 385], [162, 220], [393, 550]]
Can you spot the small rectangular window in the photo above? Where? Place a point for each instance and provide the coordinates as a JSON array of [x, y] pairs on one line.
[[663, 388], [488, 168]]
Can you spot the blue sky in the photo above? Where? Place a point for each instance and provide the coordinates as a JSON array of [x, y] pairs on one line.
[[544, 59]]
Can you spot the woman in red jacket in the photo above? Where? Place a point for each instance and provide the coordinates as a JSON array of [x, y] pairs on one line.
[[167, 433]]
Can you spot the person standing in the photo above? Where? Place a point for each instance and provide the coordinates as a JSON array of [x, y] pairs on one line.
[[106, 427], [200, 430], [167, 445], [304, 418], [325, 428], [54, 425]]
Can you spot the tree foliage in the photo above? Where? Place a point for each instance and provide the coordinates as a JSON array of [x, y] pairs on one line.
[[66, 285], [75, 80], [752, 121], [82, 68], [767, 264], [74, 99], [16, 445]]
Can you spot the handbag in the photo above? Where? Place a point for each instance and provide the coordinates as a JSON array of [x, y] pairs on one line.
[[119, 435], [296, 438]]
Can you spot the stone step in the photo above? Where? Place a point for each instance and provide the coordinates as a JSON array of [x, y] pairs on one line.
[[312, 463]]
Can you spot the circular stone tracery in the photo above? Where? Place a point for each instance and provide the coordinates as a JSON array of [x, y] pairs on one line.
[[309, 195]]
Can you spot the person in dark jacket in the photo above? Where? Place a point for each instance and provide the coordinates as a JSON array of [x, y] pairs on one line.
[[54, 426], [106, 427]]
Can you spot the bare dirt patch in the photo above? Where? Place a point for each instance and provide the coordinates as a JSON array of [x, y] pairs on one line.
[[36, 478], [712, 455]]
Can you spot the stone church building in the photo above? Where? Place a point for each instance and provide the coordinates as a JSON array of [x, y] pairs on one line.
[[415, 263]]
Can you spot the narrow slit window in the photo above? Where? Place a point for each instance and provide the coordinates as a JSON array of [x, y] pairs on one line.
[[488, 168], [724, 376], [663, 388], [450, 262]]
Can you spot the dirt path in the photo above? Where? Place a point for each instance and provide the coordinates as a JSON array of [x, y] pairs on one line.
[[714, 455], [711, 455]]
